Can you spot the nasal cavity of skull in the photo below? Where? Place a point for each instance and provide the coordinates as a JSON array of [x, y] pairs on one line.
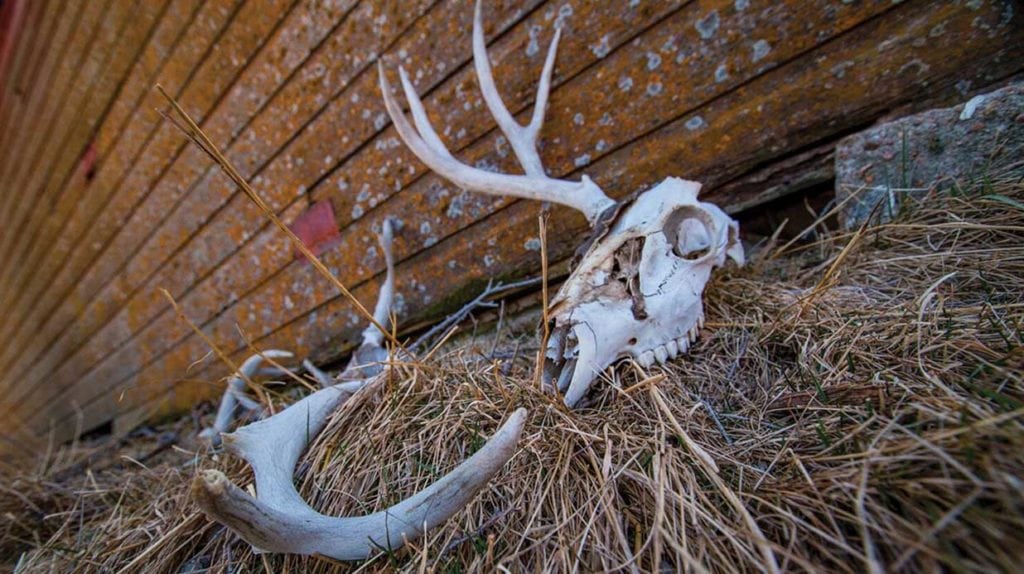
[[625, 270], [690, 232], [626, 263]]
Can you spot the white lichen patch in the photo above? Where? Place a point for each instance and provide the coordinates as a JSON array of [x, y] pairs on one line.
[[722, 73], [761, 48], [708, 25], [564, 12], [653, 60], [695, 123], [602, 47], [839, 70], [533, 46]]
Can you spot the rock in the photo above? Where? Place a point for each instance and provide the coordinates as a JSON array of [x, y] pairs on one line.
[[913, 155]]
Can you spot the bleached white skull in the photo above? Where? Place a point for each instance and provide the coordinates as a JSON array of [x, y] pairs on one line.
[[637, 290]]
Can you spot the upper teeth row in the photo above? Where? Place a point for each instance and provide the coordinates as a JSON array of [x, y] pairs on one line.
[[673, 348]]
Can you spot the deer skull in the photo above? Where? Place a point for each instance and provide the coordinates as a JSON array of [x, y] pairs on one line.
[[637, 290]]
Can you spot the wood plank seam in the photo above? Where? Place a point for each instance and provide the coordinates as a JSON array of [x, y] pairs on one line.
[[24, 51], [289, 76], [276, 23], [36, 211], [25, 85], [41, 137], [93, 130], [256, 41], [365, 69], [65, 31]]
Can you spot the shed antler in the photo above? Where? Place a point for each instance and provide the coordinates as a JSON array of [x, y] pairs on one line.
[[277, 519], [584, 195]]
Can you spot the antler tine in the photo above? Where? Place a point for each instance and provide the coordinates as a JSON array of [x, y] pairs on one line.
[[584, 196], [523, 139], [381, 313], [234, 394]]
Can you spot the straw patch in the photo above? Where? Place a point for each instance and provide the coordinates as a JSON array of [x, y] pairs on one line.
[[855, 404]]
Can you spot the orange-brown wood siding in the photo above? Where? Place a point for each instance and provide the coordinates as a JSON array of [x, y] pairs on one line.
[[104, 202]]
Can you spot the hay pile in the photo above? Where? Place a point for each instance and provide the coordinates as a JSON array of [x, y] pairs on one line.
[[855, 404]]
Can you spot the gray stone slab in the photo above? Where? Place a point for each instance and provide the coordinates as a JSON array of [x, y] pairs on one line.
[[887, 163]]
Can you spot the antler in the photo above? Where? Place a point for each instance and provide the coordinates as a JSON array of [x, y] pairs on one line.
[[368, 360], [382, 311], [234, 395], [584, 195], [279, 520]]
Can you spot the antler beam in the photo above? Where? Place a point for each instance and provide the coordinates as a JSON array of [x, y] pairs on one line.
[[279, 520], [584, 195]]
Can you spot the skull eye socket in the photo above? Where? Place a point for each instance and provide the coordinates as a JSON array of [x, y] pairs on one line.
[[691, 232]]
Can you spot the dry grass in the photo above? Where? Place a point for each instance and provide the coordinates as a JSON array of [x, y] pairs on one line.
[[854, 405]]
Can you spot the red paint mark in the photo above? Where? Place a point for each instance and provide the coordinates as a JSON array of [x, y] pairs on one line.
[[317, 228], [87, 165]]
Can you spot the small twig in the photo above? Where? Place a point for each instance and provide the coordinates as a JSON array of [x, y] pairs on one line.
[[209, 342], [481, 300], [321, 377], [166, 441], [269, 359], [744, 344], [718, 423], [478, 532], [497, 330]]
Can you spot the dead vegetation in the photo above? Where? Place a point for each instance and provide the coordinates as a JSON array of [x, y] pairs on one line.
[[855, 404]]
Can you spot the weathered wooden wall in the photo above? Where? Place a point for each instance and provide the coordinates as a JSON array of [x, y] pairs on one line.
[[104, 202]]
